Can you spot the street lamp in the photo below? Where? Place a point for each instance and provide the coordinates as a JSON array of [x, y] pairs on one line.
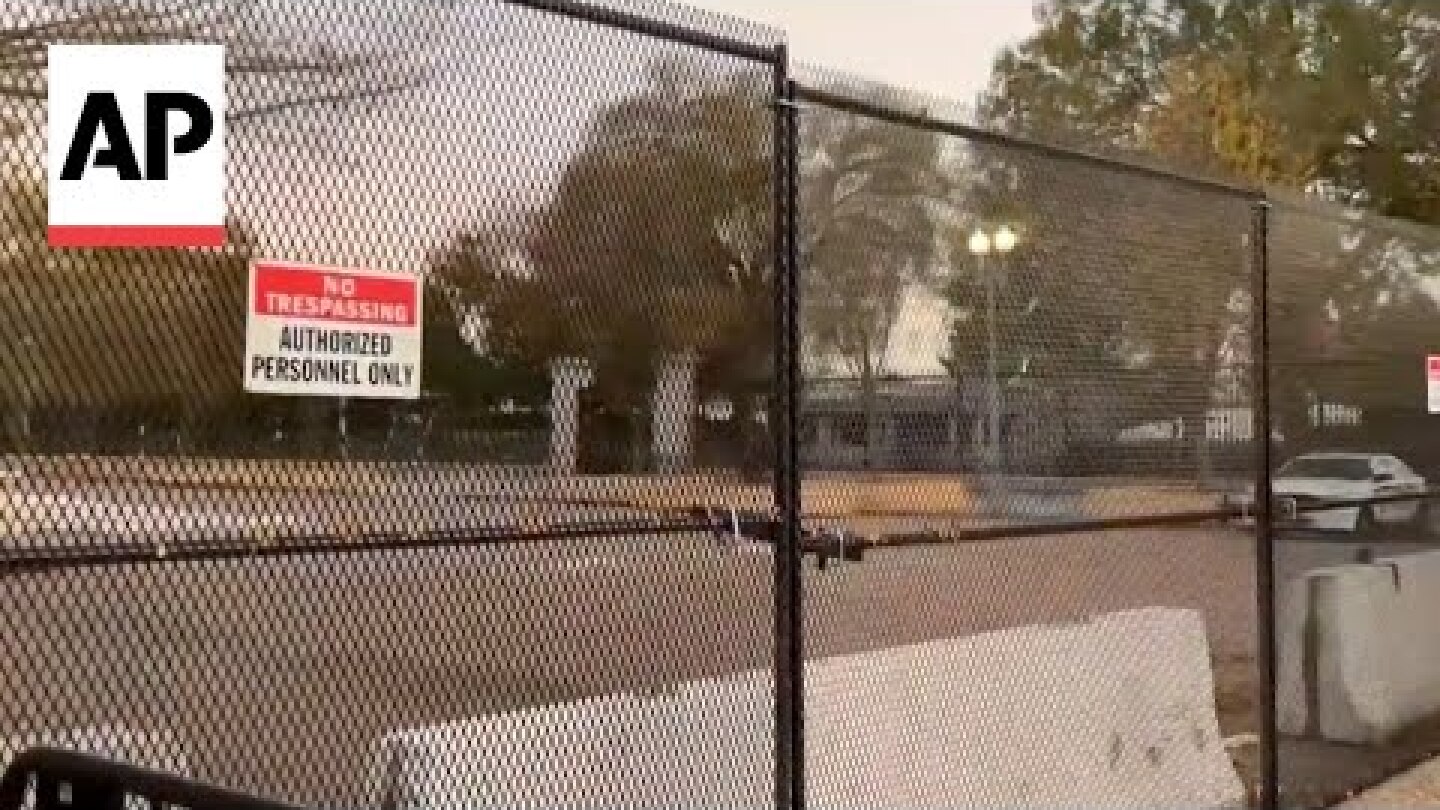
[[982, 244], [1003, 240]]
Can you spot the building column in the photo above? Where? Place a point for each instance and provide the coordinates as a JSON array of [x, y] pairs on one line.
[[568, 376], [672, 412]]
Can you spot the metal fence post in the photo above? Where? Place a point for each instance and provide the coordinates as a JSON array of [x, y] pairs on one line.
[[789, 648], [1264, 538]]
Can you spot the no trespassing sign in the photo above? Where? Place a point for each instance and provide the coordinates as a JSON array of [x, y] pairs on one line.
[[332, 332]]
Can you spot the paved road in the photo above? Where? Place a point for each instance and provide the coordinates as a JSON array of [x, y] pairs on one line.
[[38, 516], [279, 674]]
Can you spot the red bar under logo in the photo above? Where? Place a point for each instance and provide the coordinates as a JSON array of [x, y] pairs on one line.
[[102, 236]]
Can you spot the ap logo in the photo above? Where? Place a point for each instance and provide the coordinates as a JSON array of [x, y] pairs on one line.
[[136, 145]]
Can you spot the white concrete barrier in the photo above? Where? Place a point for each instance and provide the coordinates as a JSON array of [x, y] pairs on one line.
[[1117, 712], [1359, 656]]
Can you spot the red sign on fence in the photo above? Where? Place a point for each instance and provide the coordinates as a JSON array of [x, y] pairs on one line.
[[323, 331], [1432, 382]]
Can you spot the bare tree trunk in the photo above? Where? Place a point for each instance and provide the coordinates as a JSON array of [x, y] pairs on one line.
[[867, 403], [639, 440], [1204, 465], [758, 444], [17, 429]]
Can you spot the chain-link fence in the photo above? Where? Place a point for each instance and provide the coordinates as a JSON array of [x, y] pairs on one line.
[[435, 602], [1354, 319], [1011, 354], [691, 320]]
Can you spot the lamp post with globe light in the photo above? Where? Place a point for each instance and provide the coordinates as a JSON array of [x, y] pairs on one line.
[[982, 245]]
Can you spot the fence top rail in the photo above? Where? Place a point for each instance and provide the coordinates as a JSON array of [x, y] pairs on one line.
[[659, 29], [919, 120]]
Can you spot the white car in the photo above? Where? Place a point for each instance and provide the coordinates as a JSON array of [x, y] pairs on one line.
[[1319, 477]]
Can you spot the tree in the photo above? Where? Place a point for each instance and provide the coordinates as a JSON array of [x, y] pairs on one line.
[[1351, 320], [655, 242], [1114, 278], [1333, 98], [109, 330], [1218, 122], [172, 320], [874, 203], [1338, 93], [273, 62], [470, 361]]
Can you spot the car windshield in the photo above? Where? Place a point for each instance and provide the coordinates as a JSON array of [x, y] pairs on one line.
[[1348, 469]]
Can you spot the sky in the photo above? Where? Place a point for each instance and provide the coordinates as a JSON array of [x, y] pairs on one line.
[[494, 129], [941, 47], [509, 100]]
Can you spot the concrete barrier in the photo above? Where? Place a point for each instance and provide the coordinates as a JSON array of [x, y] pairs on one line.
[[1357, 658], [1117, 712]]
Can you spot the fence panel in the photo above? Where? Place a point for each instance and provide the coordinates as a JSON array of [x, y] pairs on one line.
[[1027, 396], [495, 594], [1354, 317], [1026, 438]]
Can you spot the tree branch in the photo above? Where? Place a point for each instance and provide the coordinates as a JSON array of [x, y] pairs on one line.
[[336, 97]]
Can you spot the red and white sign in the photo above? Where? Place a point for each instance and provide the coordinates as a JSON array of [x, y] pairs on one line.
[[1432, 381], [332, 332], [136, 145]]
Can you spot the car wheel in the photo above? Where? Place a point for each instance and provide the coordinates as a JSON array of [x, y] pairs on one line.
[[1427, 520], [1365, 523]]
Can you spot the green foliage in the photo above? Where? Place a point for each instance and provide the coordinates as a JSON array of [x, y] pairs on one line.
[[1113, 277], [656, 241], [118, 324], [1336, 98], [872, 207], [870, 229], [469, 375], [1345, 92], [116, 329]]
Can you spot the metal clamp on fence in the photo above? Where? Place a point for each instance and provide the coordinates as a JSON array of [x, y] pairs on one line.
[[58, 779], [734, 526], [1289, 508], [835, 544]]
